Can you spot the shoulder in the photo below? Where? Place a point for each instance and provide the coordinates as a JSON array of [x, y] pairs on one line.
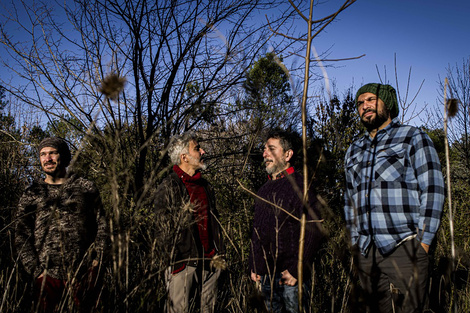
[[169, 185], [31, 193], [81, 181], [34, 186], [402, 130], [83, 184], [414, 136], [354, 152], [171, 179], [355, 147]]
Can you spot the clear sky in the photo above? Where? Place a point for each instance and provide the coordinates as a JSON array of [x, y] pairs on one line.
[[426, 35]]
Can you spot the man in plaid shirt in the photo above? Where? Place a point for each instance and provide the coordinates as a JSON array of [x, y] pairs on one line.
[[393, 203]]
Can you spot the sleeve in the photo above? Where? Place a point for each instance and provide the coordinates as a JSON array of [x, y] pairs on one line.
[[427, 167], [349, 211], [256, 259], [313, 233], [24, 235], [289, 244], [217, 234], [171, 222], [102, 234]]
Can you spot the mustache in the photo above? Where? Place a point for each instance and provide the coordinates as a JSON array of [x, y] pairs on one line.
[[267, 160], [368, 110], [49, 163]]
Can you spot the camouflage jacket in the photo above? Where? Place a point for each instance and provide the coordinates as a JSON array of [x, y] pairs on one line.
[[60, 228]]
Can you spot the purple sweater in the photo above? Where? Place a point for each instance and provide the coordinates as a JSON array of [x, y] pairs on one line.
[[275, 237]]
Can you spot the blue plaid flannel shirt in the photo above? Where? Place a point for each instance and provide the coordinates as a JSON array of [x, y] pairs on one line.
[[394, 188]]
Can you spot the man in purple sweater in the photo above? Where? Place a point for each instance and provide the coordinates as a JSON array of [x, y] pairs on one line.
[[276, 227]]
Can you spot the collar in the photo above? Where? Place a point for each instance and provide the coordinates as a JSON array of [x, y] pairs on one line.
[[283, 174], [394, 123], [184, 176]]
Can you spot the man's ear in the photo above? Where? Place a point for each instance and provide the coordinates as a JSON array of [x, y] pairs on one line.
[[289, 154]]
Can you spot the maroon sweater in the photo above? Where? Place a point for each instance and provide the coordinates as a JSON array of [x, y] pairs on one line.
[[199, 200], [275, 238]]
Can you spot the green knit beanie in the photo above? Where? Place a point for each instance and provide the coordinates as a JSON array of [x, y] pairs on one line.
[[385, 92]]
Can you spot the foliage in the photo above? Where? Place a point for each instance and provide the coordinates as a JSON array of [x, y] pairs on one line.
[[200, 66], [268, 94]]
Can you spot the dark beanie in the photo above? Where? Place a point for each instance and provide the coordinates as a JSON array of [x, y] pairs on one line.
[[61, 147], [385, 92]]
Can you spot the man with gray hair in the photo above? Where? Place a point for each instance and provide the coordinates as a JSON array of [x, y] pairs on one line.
[[186, 203]]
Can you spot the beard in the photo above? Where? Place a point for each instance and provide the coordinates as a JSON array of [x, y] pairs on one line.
[[199, 163], [277, 166], [50, 170], [202, 166], [375, 121]]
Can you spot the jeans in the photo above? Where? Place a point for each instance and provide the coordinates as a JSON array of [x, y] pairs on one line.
[[282, 298]]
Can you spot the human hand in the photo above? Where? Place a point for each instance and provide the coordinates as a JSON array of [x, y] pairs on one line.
[[255, 277], [425, 247], [287, 279]]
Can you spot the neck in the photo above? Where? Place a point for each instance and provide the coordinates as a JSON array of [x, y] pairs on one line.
[[187, 169], [58, 179], [374, 131], [274, 176], [54, 180]]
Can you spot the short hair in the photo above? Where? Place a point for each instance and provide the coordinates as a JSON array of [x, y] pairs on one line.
[[179, 145], [289, 140]]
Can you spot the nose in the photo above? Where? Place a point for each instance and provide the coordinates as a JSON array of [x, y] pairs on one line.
[[265, 153], [367, 105], [201, 151]]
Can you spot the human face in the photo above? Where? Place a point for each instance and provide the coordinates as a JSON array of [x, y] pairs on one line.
[[373, 112], [50, 161], [275, 158], [196, 156]]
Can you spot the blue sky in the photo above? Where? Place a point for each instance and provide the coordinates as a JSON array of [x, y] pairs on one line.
[[426, 35]]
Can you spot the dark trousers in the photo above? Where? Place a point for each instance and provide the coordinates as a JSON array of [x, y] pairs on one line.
[[396, 282], [51, 293]]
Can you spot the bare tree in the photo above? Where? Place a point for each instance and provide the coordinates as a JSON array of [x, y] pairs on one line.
[[458, 88], [179, 60], [406, 99], [314, 28], [130, 75]]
